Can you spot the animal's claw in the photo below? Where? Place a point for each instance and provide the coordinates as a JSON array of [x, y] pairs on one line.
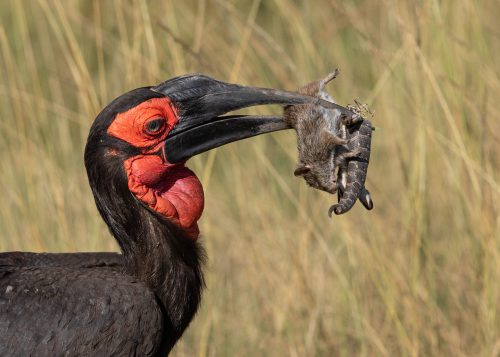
[[366, 199]]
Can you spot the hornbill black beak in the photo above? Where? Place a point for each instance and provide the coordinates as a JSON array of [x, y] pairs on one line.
[[200, 101]]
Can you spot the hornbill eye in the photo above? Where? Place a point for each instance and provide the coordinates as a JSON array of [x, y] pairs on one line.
[[154, 126]]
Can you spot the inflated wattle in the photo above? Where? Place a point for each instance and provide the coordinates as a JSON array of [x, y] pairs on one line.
[[173, 191]]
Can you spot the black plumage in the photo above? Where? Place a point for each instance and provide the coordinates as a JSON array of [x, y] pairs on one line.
[[102, 304]]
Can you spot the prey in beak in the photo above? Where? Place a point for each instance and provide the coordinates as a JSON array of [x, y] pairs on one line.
[[201, 103], [152, 131]]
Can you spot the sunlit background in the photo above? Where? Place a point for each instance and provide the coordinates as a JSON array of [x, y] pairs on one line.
[[418, 275]]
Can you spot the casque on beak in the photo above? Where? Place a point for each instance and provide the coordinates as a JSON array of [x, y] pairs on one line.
[[201, 102]]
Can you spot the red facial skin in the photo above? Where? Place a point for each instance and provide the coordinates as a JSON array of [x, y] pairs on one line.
[[172, 190]]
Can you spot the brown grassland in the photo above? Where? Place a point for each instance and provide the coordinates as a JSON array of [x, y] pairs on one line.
[[417, 276]]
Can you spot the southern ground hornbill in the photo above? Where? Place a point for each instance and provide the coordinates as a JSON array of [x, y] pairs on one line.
[[138, 302]]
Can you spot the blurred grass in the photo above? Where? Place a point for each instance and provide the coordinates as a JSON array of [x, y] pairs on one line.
[[419, 275]]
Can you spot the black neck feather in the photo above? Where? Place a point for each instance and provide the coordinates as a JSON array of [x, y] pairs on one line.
[[155, 251]]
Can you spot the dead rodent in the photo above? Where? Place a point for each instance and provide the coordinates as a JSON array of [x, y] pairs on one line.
[[334, 150]]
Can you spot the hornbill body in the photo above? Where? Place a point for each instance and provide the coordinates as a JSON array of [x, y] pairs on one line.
[[138, 302]]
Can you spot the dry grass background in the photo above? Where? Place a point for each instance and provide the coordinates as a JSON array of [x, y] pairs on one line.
[[419, 275]]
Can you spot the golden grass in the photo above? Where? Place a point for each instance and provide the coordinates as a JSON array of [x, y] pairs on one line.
[[419, 275]]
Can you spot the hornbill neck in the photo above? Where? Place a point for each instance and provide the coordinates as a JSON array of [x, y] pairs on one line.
[[155, 251], [170, 263]]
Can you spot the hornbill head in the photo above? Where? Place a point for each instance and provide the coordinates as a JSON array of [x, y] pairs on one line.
[[142, 139]]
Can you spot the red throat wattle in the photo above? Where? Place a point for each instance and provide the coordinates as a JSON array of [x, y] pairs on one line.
[[172, 190]]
